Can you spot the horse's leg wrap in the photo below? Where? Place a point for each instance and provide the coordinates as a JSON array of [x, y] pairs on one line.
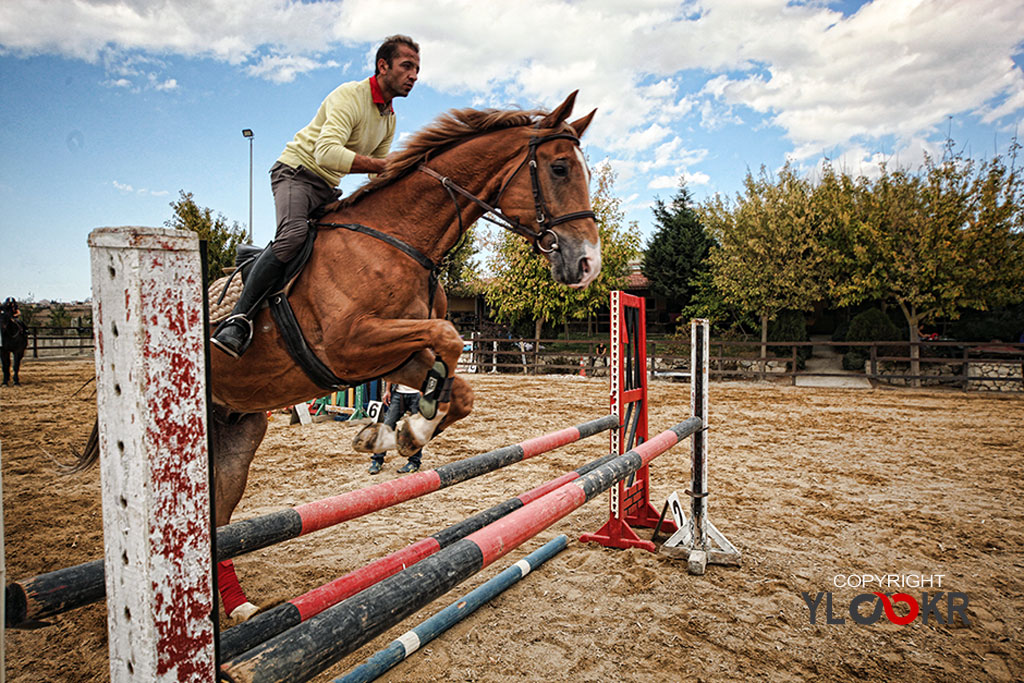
[[437, 388], [231, 594]]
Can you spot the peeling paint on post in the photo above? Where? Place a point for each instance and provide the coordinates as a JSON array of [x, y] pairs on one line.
[[148, 320]]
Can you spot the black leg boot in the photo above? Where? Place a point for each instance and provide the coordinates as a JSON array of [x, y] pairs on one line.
[[235, 333]]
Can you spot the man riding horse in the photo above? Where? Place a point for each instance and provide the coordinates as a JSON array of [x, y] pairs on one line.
[[351, 132]]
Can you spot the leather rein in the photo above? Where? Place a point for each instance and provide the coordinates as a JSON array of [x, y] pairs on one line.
[[544, 220], [299, 349]]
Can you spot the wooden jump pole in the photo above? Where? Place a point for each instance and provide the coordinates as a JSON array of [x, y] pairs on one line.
[[271, 622], [307, 649], [410, 641], [151, 395], [72, 587]]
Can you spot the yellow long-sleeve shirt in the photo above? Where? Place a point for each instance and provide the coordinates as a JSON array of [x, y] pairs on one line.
[[347, 123]]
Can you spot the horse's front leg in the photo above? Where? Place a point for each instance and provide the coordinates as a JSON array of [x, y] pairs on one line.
[[235, 440], [418, 429], [432, 347]]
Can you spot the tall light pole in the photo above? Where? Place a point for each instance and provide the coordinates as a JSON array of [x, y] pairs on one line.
[[247, 133]]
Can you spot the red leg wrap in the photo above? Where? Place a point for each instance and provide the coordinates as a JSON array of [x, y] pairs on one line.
[[231, 594]]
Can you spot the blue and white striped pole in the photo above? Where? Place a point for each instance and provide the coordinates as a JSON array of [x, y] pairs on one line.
[[406, 644]]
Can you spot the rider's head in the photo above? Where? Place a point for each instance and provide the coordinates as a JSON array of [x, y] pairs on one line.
[[397, 66]]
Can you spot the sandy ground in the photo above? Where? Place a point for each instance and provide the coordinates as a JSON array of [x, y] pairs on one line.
[[809, 483]]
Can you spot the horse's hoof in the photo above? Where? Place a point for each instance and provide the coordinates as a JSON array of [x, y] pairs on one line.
[[243, 612], [374, 438], [407, 444]]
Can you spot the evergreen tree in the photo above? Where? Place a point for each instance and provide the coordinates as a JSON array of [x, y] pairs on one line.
[[676, 252]]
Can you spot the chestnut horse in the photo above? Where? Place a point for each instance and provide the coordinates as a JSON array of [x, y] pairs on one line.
[[367, 308]]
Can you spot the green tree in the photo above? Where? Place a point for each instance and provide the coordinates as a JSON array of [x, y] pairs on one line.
[[29, 311], [946, 238], [522, 288], [770, 254], [221, 239], [676, 253], [460, 274], [60, 318]]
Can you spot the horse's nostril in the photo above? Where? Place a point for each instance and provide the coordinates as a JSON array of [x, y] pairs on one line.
[[585, 265]]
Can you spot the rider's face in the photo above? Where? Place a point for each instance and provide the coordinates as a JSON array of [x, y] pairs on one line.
[[396, 79]]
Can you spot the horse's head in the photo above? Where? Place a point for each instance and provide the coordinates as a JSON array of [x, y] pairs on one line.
[[548, 190]]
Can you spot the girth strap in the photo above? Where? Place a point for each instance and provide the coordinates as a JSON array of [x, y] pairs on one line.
[[298, 348]]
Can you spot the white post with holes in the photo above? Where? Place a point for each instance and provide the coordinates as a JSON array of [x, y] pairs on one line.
[[151, 396]]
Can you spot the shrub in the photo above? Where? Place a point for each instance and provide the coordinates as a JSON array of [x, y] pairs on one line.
[[839, 335], [853, 360], [789, 326], [870, 326]]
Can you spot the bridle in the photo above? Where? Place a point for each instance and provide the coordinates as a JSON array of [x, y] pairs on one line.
[[544, 221]]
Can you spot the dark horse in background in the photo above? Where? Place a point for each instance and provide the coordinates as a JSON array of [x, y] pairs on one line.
[[368, 308], [14, 339]]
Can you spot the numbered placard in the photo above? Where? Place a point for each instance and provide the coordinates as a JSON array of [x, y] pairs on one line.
[[373, 409], [679, 516]]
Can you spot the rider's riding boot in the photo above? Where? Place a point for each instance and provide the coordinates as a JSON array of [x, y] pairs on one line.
[[235, 333]]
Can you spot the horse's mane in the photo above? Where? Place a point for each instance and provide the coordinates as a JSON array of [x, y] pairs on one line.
[[448, 130]]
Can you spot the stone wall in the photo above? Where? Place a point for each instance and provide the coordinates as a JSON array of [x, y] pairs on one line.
[[996, 376], [984, 376]]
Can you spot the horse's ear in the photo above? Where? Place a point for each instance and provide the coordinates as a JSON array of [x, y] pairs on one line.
[[580, 125], [561, 112]]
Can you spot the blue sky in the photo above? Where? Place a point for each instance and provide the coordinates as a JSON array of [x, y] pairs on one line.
[[108, 109]]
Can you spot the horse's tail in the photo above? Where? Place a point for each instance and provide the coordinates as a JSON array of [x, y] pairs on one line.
[[91, 454]]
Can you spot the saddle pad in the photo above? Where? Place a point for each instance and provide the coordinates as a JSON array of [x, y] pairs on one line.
[[220, 311]]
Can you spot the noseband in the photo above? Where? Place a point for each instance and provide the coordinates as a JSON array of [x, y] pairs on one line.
[[544, 221]]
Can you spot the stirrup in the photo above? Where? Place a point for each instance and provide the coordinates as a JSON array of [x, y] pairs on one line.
[[227, 323]]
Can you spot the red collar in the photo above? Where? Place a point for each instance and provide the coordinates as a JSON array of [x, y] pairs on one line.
[[378, 94]]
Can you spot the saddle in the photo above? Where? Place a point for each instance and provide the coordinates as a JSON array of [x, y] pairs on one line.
[[224, 293]]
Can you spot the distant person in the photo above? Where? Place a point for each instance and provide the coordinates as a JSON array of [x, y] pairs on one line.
[[599, 357], [350, 133], [10, 305], [401, 400]]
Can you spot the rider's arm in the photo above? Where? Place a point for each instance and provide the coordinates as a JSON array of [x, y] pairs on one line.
[[365, 164], [347, 123]]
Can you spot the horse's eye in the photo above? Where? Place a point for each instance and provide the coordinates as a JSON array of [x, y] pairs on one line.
[[560, 169]]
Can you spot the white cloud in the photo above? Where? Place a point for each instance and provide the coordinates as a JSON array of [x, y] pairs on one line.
[[656, 69], [284, 68], [125, 188], [663, 182], [165, 85], [894, 68]]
